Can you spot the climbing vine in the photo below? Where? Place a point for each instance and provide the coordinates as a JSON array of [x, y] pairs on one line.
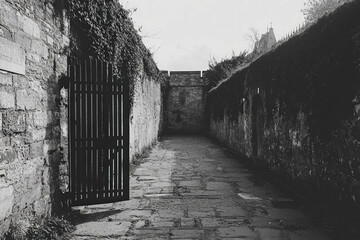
[[225, 68], [113, 38], [310, 90]]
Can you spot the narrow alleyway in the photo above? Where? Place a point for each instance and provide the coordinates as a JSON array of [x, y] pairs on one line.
[[190, 188]]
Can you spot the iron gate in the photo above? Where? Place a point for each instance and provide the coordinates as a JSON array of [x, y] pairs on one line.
[[98, 134]]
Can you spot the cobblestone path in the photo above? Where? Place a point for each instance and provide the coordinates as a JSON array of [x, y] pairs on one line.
[[190, 188]]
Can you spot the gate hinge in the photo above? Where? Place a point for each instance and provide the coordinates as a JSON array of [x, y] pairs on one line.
[[64, 82], [65, 200]]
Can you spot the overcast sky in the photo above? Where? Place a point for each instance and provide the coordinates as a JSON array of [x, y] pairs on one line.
[[186, 34]]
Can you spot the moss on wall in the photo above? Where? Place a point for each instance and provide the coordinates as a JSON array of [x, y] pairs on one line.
[[309, 87]]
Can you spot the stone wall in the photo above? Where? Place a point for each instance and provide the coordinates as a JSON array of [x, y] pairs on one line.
[[29, 111], [295, 110], [145, 115], [184, 103]]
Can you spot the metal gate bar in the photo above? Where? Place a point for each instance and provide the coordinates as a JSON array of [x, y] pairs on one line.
[[98, 134]]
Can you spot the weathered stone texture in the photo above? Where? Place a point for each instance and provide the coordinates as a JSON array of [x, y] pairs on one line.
[[7, 99], [26, 99], [6, 202], [28, 25], [40, 119], [29, 113], [293, 110], [14, 122], [184, 103], [145, 115], [5, 79], [7, 155]]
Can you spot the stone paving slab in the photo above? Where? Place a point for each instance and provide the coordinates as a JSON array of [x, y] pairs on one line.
[[231, 212], [102, 229], [187, 233], [132, 214], [203, 212], [131, 204], [236, 232], [189, 188]]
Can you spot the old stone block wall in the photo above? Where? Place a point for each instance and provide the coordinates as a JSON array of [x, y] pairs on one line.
[[145, 114], [295, 110], [29, 113], [184, 103]]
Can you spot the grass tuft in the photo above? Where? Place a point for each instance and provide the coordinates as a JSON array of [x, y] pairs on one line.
[[52, 228]]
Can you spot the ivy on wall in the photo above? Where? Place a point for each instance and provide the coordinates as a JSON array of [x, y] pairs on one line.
[[221, 70], [228, 98], [315, 72], [310, 90], [113, 38]]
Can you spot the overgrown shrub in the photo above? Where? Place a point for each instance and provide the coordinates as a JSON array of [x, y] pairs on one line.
[[113, 38], [224, 69], [52, 228]]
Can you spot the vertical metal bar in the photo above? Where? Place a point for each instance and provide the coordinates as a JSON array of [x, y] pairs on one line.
[[83, 131], [84, 141], [106, 127], [100, 130], [111, 128], [89, 128], [78, 131], [121, 131], [71, 136], [126, 139], [118, 114], [95, 128], [116, 135]]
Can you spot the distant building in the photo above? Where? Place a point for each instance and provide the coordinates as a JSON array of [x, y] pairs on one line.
[[265, 44]]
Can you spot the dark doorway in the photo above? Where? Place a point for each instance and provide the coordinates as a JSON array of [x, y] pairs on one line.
[[257, 124]]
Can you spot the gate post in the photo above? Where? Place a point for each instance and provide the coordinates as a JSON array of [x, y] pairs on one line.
[[64, 141]]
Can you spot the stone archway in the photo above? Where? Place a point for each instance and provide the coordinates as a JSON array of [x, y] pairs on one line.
[[257, 124]]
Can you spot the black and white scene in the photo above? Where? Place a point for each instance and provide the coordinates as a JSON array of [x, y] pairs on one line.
[[179, 119]]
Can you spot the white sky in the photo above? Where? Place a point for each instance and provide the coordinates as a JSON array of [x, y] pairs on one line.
[[186, 34]]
